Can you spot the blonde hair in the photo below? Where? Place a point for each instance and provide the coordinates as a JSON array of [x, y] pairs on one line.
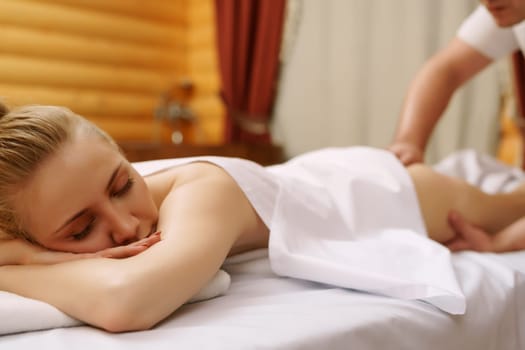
[[29, 135]]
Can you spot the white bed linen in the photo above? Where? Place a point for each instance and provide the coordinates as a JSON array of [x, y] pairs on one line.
[[263, 311]]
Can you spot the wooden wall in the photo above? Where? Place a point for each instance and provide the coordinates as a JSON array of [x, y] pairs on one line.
[[112, 60]]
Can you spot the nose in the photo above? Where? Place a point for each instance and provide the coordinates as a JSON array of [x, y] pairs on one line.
[[123, 225]]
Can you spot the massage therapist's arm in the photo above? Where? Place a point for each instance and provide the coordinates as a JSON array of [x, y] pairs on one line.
[[200, 221], [429, 94]]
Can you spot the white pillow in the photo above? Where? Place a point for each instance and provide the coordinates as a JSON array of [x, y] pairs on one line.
[[20, 314]]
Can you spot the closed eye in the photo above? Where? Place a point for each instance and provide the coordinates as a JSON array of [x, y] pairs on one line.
[[85, 232], [124, 189]]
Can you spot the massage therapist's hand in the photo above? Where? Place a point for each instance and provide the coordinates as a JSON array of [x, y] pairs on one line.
[[471, 237], [468, 236], [20, 252], [406, 152]]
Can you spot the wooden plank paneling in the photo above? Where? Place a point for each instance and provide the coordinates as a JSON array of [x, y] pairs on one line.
[[202, 59], [67, 47], [81, 21], [171, 11], [211, 130], [200, 12], [23, 70], [207, 107], [201, 36], [206, 83], [112, 61], [85, 102], [203, 71], [129, 130]]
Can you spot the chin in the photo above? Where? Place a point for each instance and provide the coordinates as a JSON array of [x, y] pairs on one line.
[[506, 21]]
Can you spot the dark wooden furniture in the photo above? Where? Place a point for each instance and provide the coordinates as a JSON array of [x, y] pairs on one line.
[[262, 154]]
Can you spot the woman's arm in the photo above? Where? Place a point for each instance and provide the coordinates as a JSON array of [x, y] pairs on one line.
[[14, 251], [200, 220]]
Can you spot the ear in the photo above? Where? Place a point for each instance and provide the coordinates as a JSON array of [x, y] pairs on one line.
[[4, 235]]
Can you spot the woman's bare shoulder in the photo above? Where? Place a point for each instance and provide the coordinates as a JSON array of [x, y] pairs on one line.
[[203, 192], [162, 183]]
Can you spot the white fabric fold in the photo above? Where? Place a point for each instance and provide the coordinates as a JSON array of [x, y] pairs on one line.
[[350, 218]]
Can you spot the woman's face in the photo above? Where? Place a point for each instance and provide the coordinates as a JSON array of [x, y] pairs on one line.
[[506, 12], [86, 198]]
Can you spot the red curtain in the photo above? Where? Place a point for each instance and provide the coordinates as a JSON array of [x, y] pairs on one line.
[[518, 61], [249, 36]]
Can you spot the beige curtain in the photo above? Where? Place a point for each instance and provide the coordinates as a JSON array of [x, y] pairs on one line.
[[348, 63]]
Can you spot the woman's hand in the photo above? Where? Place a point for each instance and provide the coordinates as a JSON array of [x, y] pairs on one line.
[[20, 252]]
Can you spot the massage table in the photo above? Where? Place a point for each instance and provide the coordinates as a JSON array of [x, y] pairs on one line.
[[261, 310]]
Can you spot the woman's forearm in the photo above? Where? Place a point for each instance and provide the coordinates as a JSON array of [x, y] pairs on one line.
[[116, 295], [109, 294], [126, 294], [83, 289]]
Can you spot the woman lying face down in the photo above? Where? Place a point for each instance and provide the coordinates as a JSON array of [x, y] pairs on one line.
[[78, 193], [67, 189]]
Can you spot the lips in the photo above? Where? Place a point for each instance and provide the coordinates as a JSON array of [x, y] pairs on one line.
[[495, 8]]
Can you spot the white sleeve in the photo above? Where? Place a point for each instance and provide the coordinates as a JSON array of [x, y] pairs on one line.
[[481, 32]]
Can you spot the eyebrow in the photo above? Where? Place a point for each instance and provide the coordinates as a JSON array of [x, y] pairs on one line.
[[83, 211]]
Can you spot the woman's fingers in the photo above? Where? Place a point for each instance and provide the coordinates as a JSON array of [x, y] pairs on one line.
[[148, 241], [131, 249]]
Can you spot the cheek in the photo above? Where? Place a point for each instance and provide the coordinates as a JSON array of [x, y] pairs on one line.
[[93, 243], [143, 203]]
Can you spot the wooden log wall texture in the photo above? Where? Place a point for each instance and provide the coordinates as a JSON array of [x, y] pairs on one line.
[[113, 61]]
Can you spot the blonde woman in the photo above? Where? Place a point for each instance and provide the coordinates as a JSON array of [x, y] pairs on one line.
[[85, 232]]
